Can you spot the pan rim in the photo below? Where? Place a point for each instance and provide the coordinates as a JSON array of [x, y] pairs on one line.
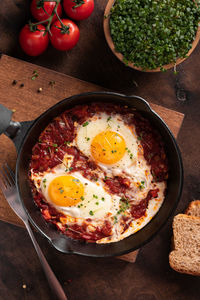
[[176, 148]]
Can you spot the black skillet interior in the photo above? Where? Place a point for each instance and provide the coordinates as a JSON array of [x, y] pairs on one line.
[[136, 240]]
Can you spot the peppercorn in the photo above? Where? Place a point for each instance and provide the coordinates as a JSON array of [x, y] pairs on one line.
[[14, 82]]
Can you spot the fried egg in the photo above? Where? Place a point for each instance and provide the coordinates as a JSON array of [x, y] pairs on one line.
[[108, 141], [74, 195], [115, 147]]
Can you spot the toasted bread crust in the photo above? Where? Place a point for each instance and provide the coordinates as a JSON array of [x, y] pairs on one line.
[[178, 266], [184, 257], [193, 208]]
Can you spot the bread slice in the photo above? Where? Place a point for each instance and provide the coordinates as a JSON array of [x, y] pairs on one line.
[[185, 258], [194, 209]]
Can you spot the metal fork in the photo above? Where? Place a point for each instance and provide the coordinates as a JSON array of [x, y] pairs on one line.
[[8, 187]]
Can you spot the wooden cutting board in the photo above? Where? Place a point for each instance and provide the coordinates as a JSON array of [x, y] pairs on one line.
[[27, 104]]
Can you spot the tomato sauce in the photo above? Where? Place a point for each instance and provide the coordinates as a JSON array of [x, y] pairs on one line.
[[53, 144]]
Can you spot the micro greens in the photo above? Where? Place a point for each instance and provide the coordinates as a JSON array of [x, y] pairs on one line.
[[152, 33]]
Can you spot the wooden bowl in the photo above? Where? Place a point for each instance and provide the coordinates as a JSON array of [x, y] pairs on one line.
[[109, 40]]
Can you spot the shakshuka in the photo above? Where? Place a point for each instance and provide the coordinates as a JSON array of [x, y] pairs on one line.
[[98, 172]]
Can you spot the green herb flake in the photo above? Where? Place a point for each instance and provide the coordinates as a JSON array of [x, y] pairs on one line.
[[55, 145], [82, 198], [44, 182], [67, 142], [115, 219], [91, 213], [71, 168], [103, 199], [141, 186], [35, 75], [109, 118], [85, 124], [97, 203], [95, 196]]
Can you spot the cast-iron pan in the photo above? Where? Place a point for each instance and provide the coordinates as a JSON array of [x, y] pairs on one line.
[[25, 135]]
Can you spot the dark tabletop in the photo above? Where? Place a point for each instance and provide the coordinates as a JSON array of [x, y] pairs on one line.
[[91, 278]]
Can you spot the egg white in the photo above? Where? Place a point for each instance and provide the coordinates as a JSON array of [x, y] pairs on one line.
[[132, 165], [103, 122], [97, 203]]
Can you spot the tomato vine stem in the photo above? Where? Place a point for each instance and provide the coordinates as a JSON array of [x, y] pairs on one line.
[[33, 26]]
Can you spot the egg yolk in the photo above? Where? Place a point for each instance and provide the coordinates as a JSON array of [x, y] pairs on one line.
[[65, 190], [108, 147]]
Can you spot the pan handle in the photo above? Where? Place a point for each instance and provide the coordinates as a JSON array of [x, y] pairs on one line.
[[7, 126]]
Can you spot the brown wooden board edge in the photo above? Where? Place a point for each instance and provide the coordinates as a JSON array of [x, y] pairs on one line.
[[130, 257]]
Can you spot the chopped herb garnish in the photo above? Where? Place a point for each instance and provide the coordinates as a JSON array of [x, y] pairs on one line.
[[71, 168], [141, 186], [75, 180], [35, 75], [44, 181], [113, 151], [82, 198], [95, 196], [67, 227], [124, 205], [67, 142], [151, 34], [52, 83], [87, 139], [109, 118], [91, 213], [66, 170], [97, 203], [103, 199], [105, 178], [55, 145], [115, 219], [140, 136], [85, 124]]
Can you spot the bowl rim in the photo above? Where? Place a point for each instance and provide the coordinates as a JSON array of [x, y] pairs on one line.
[[106, 27]]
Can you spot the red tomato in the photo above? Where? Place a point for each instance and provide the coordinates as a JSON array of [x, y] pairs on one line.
[[41, 10], [33, 43], [64, 37], [78, 9]]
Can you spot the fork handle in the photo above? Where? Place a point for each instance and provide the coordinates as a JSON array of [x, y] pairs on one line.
[[52, 280]]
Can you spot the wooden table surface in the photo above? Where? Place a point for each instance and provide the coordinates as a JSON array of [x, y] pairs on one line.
[[150, 278]]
